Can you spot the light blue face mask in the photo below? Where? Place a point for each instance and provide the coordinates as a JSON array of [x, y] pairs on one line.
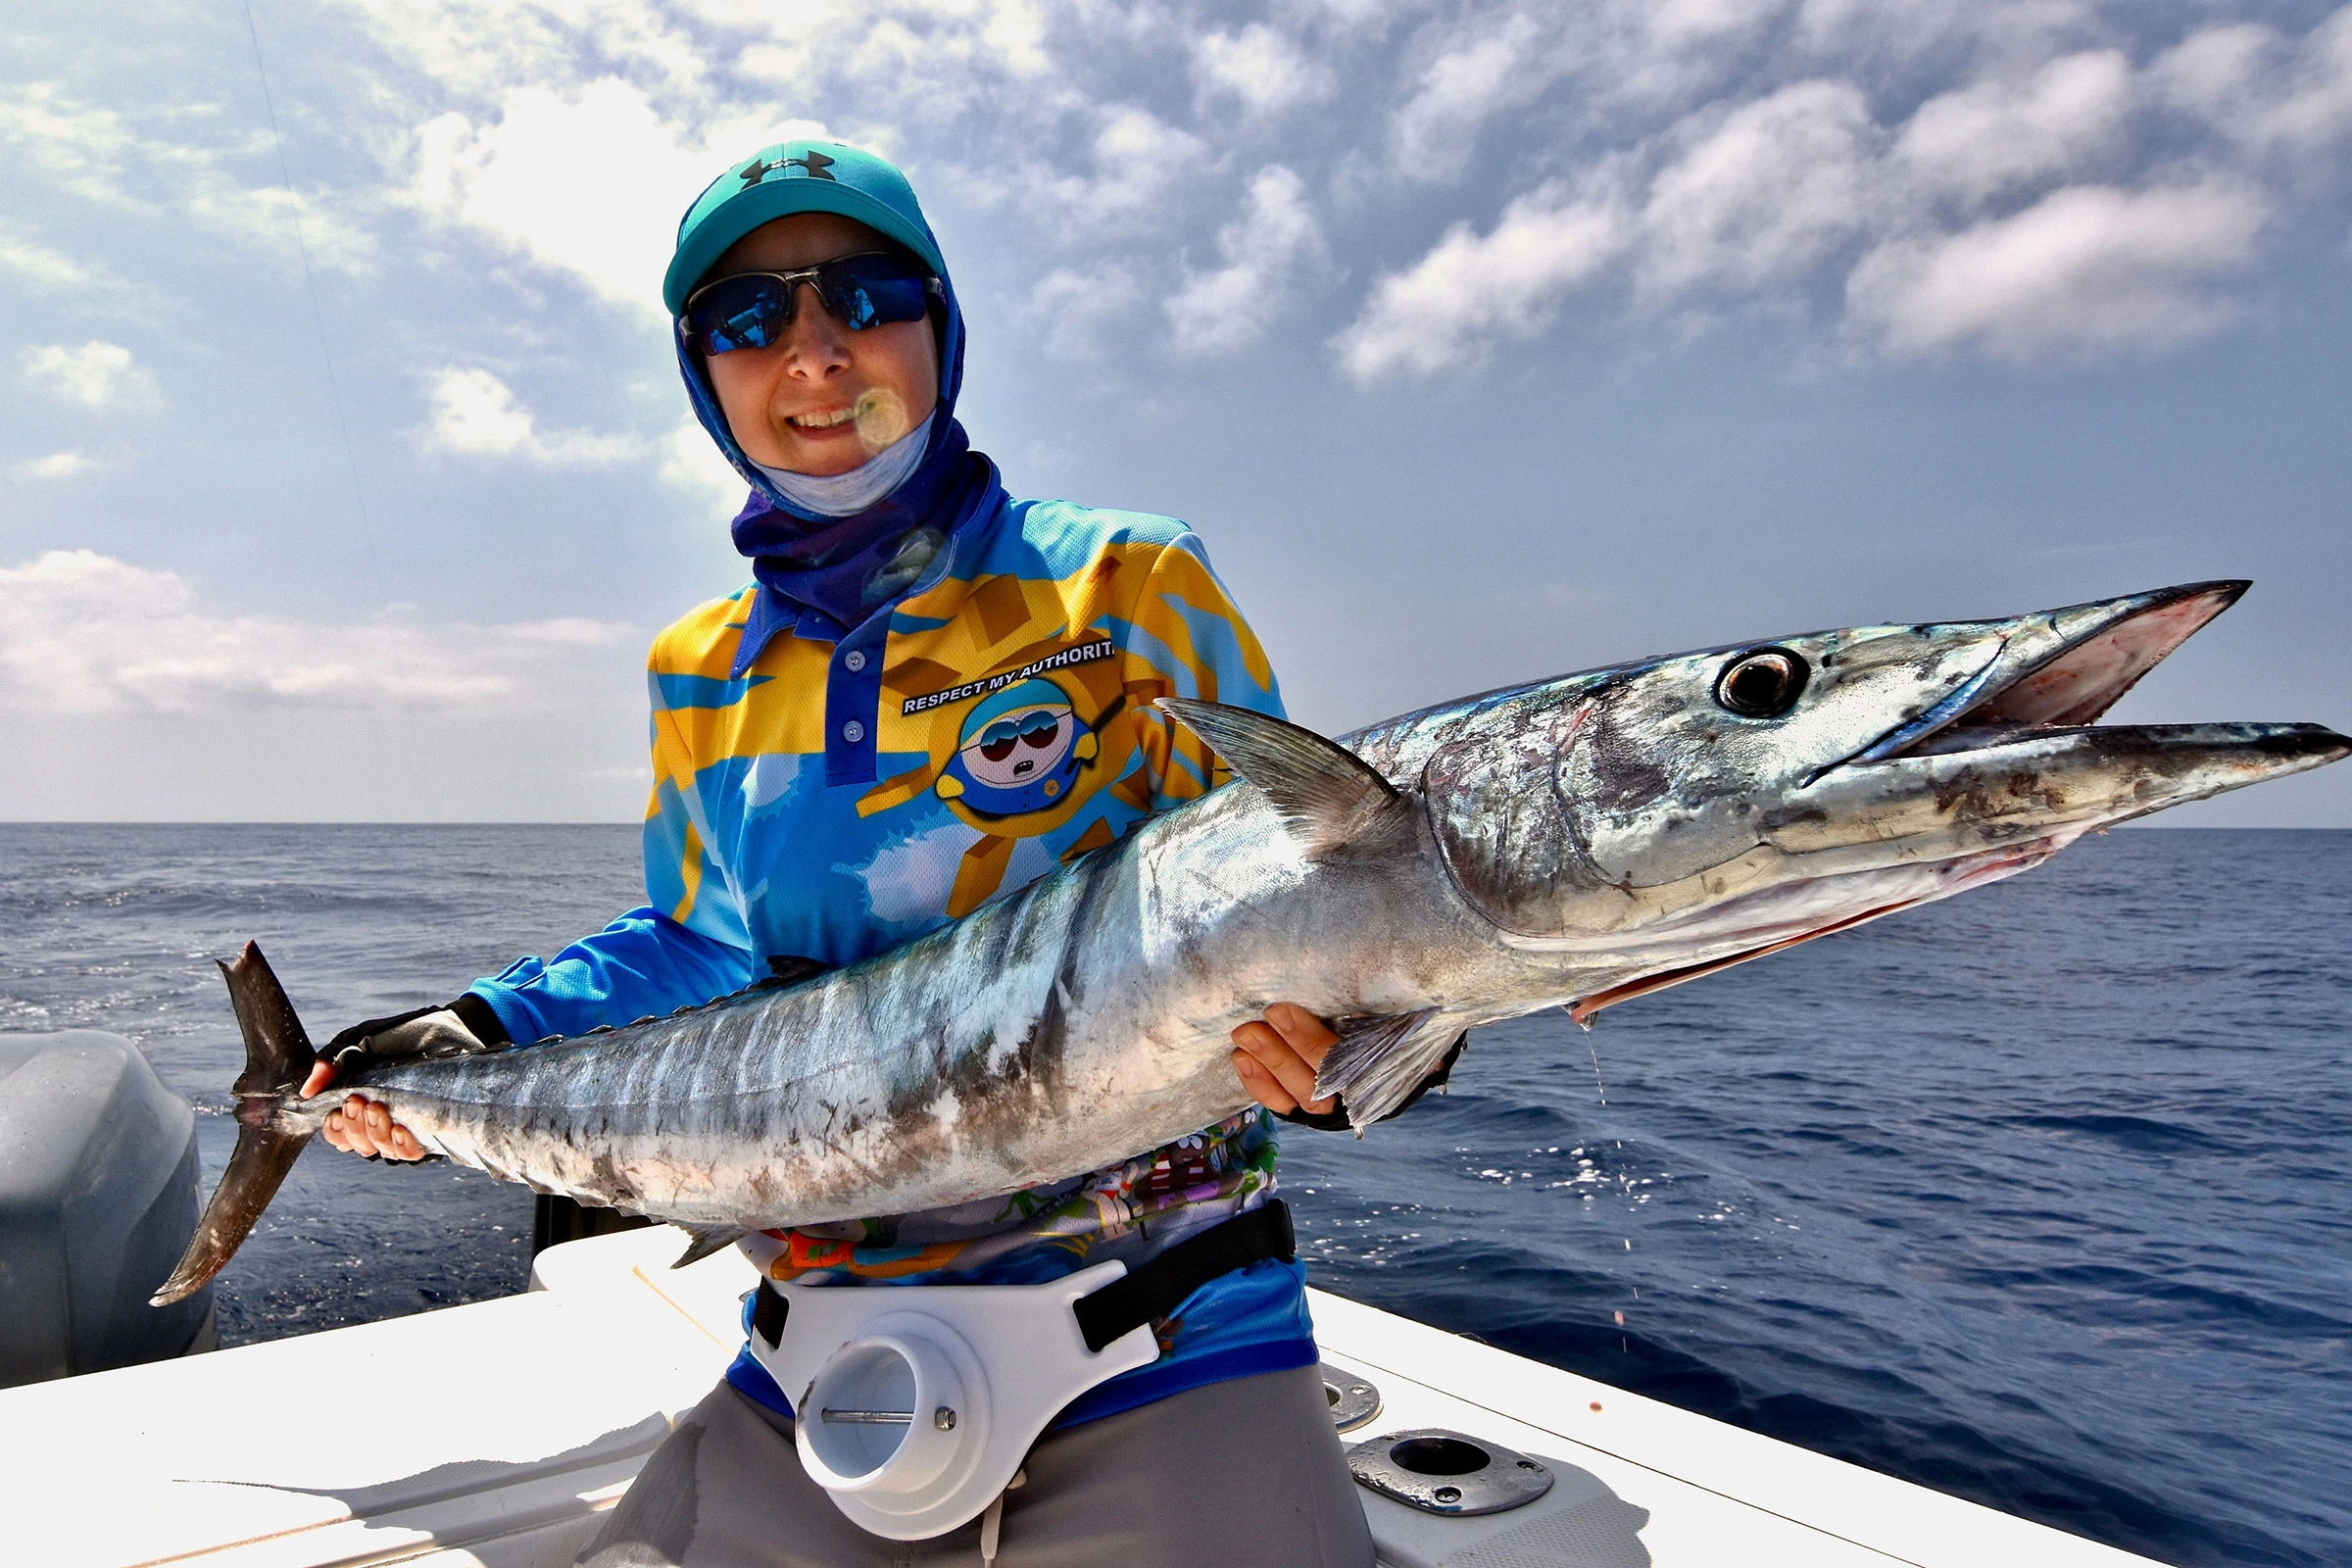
[[843, 495]]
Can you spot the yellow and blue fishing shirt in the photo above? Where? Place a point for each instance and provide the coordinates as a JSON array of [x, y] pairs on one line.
[[824, 793]]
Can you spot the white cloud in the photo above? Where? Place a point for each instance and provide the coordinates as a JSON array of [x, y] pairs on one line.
[[1079, 306], [1140, 162], [104, 158], [81, 282], [1467, 84], [1354, 15], [2086, 268], [692, 462], [588, 180], [1620, 62], [62, 650], [1261, 70], [928, 62], [1737, 139], [94, 374], [2220, 75], [1473, 291], [1760, 196], [1988, 138], [2262, 90], [1275, 235], [574, 138], [1680, 53], [1739, 199], [2050, 200], [474, 414], [39, 267], [65, 464]]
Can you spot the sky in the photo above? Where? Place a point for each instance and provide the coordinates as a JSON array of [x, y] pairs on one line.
[[346, 474]]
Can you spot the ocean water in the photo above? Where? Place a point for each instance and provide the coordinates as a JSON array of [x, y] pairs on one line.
[[2037, 1197]]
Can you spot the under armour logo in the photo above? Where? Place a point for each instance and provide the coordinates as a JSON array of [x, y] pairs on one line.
[[812, 167]]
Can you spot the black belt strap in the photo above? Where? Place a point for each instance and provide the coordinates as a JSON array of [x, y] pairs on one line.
[[769, 1309], [1142, 1294], [1158, 1288]]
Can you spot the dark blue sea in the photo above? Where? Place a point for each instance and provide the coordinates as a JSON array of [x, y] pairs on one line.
[[2037, 1197]]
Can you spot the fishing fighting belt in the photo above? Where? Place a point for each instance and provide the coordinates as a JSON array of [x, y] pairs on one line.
[[1144, 1294], [915, 1408]]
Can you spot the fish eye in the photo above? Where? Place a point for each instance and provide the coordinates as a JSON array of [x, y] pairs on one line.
[[1764, 684]]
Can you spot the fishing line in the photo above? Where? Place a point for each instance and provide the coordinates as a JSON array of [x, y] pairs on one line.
[[334, 389]]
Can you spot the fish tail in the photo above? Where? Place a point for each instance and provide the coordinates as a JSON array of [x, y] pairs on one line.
[[277, 1058]]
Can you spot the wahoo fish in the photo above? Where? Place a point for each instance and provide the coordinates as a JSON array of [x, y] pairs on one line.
[[1573, 843]]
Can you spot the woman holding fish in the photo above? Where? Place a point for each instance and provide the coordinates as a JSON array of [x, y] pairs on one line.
[[930, 695]]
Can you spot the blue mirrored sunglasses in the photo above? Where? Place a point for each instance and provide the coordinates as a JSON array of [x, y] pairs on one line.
[[754, 310]]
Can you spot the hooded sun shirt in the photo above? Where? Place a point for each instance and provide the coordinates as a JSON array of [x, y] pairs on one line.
[[918, 706], [822, 569]]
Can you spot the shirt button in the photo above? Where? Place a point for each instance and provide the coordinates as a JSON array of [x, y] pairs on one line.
[[853, 732], [854, 658]]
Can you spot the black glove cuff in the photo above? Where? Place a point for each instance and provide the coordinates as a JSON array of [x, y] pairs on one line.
[[480, 1017], [348, 1049]]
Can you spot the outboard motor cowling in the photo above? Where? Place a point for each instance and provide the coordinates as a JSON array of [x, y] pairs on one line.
[[98, 1181]]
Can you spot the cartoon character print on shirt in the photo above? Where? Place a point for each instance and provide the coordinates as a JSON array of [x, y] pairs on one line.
[[1018, 753], [1025, 755]]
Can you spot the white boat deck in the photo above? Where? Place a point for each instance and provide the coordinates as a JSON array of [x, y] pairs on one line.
[[532, 1414]]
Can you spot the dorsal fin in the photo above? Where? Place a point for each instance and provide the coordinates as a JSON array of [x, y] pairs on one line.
[[1326, 794]]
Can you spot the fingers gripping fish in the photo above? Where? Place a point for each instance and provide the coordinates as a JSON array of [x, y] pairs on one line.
[[1573, 843]]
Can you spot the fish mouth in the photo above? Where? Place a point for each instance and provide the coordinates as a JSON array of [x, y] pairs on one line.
[[2059, 670], [2032, 709], [2055, 674]]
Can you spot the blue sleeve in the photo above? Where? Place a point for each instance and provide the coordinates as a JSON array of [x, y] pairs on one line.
[[642, 963]]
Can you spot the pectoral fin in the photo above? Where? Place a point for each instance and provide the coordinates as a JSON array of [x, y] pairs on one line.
[[1326, 794], [1377, 1065]]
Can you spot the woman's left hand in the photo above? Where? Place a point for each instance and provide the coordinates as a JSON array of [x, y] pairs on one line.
[[1277, 1057]]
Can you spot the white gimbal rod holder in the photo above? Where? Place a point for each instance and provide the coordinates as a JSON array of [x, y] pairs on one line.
[[914, 1407]]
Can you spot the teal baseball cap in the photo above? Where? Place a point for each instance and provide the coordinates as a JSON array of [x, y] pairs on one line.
[[796, 176]]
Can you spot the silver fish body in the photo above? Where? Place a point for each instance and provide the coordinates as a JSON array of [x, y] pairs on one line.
[[1575, 843], [1066, 1028]]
